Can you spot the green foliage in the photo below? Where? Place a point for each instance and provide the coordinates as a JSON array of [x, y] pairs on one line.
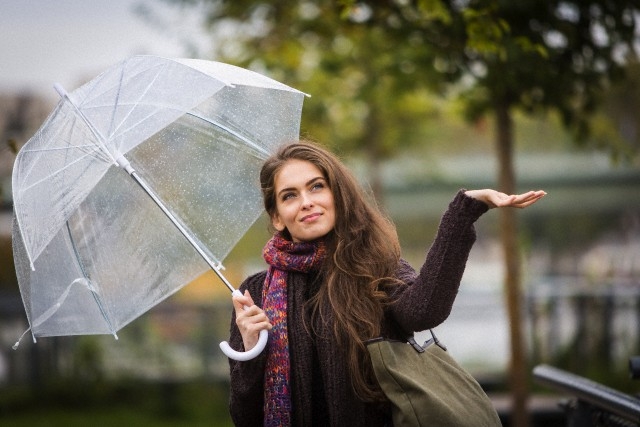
[[615, 126], [361, 59], [117, 403], [486, 34], [363, 78], [531, 55], [434, 10]]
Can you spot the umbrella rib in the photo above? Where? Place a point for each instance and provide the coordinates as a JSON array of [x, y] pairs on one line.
[[124, 163], [100, 139], [141, 96], [118, 132], [55, 307], [142, 120], [67, 166], [94, 292], [38, 150], [99, 150], [188, 235], [113, 112], [232, 132], [47, 314], [95, 94], [89, 149]]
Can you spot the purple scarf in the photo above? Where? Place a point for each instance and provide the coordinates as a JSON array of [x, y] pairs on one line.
[[282, 256]]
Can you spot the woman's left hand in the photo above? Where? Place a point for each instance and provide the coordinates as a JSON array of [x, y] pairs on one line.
[[496, 199]]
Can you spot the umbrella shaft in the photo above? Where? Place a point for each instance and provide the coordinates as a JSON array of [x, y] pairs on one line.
[[215, 267]]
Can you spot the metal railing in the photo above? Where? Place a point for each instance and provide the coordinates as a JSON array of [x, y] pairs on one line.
[[592, 403]]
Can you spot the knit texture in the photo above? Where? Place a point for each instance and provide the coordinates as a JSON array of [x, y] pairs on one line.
[[282, 256]]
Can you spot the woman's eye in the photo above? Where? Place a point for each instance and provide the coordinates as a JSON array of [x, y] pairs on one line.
[[287, 196], [317, 186]]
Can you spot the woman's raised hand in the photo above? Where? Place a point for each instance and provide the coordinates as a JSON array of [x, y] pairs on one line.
[[496, 199]]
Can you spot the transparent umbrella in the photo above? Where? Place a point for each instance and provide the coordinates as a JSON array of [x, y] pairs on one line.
[[137, 183]]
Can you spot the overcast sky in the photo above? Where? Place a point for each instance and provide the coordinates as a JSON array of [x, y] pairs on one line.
[[66, 41]]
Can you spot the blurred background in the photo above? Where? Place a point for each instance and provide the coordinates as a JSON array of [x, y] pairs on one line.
[[420, 99]]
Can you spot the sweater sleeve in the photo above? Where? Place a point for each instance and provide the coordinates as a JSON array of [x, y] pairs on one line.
[[427, 299], [246, 394]]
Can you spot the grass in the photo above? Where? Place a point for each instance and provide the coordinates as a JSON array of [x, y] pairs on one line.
[[125, 404]]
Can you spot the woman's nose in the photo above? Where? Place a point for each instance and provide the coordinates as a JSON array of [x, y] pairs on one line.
[[307, 202]]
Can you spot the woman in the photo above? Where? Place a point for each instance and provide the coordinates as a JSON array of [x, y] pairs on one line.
[[335, 280]]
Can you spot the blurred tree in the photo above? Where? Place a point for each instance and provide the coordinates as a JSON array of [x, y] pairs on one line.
[[534, 56], [366, 96], [616, 126]]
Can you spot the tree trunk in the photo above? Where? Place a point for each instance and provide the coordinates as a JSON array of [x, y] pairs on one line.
[[512, 280], [374, 157]]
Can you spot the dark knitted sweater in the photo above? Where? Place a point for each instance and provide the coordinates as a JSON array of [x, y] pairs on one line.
[[321, 391]]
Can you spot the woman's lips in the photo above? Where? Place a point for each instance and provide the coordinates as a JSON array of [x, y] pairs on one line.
[[311, 217]]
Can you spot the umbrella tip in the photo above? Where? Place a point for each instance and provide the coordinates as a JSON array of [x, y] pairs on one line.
[[58, 87], [15, 346]]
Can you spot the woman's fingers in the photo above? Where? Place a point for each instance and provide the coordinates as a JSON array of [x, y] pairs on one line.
[[250, 324], [527, 199], [253, 321], [239, 302], [496, 199], [250, 319]]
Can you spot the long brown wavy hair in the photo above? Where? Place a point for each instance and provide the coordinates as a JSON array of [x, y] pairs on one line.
[[365, 253]]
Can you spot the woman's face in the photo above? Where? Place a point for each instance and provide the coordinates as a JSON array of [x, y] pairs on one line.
[[304, 201]]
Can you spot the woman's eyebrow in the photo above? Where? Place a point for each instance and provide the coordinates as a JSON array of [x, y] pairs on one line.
[[312, 180], [306, 184]]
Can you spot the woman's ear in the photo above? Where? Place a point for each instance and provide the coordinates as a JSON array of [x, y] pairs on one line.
[[277, 223]]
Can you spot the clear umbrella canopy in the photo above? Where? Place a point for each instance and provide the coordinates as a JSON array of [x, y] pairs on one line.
[[92, 250]]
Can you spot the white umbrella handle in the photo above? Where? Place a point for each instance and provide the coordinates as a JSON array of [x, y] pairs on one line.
[[243, 356]]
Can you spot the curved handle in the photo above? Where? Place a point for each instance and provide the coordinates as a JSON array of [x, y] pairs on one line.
[[246, 355]]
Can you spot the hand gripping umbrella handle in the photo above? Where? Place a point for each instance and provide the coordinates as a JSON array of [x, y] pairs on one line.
[[246, 355]]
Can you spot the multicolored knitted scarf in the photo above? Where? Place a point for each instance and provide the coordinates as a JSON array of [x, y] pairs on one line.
[[282, 256]]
